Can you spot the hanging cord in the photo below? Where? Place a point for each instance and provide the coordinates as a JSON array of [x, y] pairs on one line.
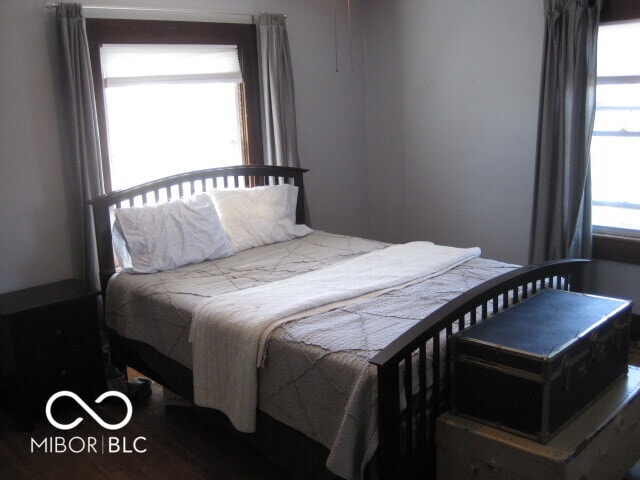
[[350, 51], [335, 31]]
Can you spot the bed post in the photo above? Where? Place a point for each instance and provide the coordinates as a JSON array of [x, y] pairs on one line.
[[578, 278], [301, 210], [102, 223], [388, 406]]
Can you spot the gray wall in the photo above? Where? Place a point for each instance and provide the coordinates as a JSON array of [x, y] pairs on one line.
[[452, 147], [427, 131], [452, 99]]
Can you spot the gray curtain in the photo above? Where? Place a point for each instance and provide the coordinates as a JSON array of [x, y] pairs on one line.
[[561, 224], [277, 92], [86, 161]]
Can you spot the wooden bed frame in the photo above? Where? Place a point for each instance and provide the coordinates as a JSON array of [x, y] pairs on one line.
[[402, 452]]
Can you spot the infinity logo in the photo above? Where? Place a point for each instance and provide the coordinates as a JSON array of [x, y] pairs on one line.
[[89, 410]]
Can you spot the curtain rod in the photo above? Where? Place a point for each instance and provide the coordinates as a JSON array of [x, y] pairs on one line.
[[50, 5]]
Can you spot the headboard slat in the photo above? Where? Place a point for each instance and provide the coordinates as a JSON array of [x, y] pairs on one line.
[[175, 185]]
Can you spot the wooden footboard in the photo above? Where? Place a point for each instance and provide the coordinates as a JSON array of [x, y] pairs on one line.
[[407, 434]]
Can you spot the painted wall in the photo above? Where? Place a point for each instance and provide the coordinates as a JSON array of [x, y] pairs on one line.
[[616, 279], [452, 147], [452, 98], [36, 240]]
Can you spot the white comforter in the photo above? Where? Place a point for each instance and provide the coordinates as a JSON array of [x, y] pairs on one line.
[[229, 331]]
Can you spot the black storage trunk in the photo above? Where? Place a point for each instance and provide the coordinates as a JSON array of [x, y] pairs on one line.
[[531, 368]]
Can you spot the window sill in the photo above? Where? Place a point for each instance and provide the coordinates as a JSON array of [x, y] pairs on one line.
[[616, 248]]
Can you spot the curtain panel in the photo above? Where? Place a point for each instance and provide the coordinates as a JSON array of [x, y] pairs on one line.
[[561, 223], [277, 92], [83, 126]]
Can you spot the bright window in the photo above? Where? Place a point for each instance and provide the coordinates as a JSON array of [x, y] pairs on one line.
[[174, 96], [170, 109], [615, 145]]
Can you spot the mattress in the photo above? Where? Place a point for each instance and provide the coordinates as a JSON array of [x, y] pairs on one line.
[[316, 377]]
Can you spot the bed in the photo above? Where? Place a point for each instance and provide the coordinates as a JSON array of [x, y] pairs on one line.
[[353, 384]]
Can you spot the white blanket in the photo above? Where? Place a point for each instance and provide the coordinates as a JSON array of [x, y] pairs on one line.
[[227, 330]]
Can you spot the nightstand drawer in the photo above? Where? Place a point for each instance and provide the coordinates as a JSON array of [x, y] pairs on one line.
[[49, 341], [41, 378], [54, 330]]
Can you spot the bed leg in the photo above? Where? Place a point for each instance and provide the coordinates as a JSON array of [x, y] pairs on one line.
[[116, 370]]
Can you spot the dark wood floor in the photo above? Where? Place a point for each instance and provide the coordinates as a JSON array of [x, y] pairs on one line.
[[179, 444]]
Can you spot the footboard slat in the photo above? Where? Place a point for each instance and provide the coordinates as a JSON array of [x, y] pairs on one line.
[[422, 397], [436, 399], [403, 454], [408, 397], [388, 408]]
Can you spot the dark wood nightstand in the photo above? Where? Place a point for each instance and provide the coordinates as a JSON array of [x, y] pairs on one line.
[[49, 341]]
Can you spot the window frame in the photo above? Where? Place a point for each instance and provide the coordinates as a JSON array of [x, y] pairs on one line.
[[603, 229], [103, 30], [617, 10], [617, 247]]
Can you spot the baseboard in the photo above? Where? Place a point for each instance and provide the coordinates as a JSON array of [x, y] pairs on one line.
[[634, 332]]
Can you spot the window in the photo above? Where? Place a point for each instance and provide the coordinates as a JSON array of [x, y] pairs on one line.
[[615, 145], [174, 97], [170, 108]]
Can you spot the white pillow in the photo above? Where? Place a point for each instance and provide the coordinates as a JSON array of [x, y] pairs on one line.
[[259, 216], [166, 236]]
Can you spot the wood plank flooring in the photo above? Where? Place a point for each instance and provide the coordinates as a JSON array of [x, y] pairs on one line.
[[179, 446], [178, 443]]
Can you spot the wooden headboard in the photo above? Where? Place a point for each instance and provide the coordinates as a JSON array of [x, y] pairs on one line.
[[182, 185]]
